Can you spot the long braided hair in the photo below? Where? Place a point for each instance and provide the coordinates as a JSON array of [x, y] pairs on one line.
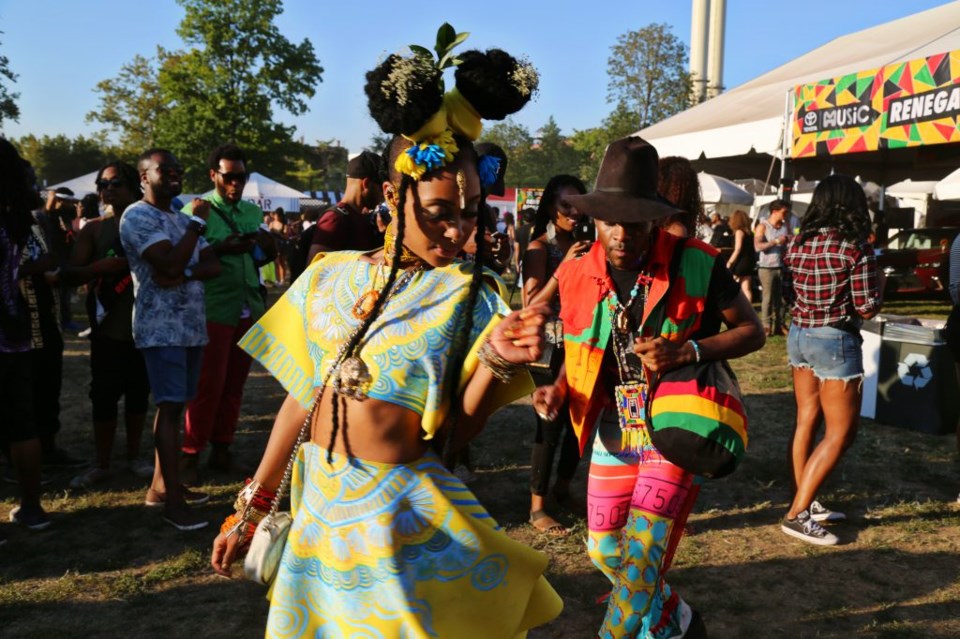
[[354, 344]]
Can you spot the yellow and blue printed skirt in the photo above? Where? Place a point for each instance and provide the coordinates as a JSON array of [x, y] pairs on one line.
[[400, 551]]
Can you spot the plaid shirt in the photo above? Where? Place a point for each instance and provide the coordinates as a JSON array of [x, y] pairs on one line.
[[828, 279]]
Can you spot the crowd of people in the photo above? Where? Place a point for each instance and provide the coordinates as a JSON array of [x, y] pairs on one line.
[[395, 342]]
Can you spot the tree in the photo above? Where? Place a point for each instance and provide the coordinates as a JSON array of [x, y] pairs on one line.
[[320, 167], [59, 158], [553, 155], [517, 143], [8, 101], [591, 143], [131, 103], [378, 142], [222, 89], [647, 71]]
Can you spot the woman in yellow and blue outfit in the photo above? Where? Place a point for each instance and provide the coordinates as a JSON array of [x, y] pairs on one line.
[[400, 349]]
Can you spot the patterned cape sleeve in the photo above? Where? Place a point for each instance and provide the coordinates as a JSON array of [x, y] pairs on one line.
[[279, 339]]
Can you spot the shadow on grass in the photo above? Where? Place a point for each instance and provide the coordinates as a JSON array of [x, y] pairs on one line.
[[216, 609]]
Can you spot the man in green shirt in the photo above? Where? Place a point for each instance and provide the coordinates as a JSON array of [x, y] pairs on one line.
[[233, 302]]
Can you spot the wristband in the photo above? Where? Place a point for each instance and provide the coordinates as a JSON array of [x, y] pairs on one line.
[[696, 349]]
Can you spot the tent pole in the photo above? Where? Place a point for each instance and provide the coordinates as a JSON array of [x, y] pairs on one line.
[[786, 139]]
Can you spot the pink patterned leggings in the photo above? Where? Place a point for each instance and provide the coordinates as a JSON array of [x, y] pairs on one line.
[[638, 505]]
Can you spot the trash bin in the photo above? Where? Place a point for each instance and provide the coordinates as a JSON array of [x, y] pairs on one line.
[[872, 334], [917, 382]]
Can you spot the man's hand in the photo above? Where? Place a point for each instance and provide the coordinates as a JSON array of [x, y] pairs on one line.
[[234, 244], [519, 337], [201, 208], [548, 400], [660, 354]]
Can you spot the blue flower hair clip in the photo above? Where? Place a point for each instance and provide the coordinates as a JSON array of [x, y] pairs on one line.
[[489, 169]]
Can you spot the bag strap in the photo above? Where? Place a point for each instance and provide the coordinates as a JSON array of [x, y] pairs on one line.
[[226, 218], [288, 472], [660, 312]]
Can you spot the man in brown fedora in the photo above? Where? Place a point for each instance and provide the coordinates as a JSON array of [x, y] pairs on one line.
[[638, 501]]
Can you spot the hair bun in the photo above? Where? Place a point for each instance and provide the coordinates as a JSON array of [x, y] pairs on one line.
[[403, 93], [495, 83]]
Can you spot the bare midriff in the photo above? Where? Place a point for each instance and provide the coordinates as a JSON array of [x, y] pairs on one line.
[[373, 430]]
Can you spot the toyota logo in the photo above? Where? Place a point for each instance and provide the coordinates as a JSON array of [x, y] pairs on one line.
[[810, 119]]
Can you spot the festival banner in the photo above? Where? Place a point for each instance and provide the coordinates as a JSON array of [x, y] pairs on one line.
[[903, 104], [528, 198]]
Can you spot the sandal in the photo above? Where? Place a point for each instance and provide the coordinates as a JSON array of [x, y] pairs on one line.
[[551, 527]]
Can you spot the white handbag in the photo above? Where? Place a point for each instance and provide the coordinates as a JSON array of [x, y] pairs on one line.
[[270, 538], [266, 548]]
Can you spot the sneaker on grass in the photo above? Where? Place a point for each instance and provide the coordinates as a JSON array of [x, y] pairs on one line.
[[820, 513], [808, 530], [90, 477], [35, 519]]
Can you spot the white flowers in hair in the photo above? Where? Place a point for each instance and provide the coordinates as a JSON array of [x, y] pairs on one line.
[[407, 75], [525, 77]]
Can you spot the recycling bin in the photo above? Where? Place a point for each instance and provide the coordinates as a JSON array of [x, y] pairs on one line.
[[916, 380], [872, 334]]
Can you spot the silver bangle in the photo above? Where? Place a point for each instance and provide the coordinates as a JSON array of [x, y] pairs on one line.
[[696, 349], [501, 368]]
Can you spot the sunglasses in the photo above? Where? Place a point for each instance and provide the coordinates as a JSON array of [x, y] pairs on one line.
[[233, 177], [115, 183]]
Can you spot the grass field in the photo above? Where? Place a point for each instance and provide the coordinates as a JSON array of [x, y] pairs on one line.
[[109, 567]]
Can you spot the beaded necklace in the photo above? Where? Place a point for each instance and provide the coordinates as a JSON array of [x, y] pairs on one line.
[[621, 320]]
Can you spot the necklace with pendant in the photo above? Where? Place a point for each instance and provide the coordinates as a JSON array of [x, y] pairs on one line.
[[353, 377]]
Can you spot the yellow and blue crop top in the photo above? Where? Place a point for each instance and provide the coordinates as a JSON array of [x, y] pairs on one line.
[[407, 348]]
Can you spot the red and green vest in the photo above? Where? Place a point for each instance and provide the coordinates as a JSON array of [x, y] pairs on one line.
[[584, 285]]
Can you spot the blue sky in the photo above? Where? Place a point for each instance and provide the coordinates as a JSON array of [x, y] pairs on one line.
[[62, 48]]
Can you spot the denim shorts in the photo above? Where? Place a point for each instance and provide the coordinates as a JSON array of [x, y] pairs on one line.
[[173, 371], [829, 352]]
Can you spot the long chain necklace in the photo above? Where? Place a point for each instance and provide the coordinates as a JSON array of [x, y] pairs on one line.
[[353, 378]]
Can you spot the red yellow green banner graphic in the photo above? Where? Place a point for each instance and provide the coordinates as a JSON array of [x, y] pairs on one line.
[[899, 105]]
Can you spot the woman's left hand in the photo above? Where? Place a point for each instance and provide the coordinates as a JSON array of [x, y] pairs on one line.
[[662, 355], [518, 338]]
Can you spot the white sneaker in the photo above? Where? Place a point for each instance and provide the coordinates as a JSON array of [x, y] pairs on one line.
[[820, 514], [808, 530]]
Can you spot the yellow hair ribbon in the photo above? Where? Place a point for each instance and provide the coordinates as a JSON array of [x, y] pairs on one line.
[[461, 115], [434, 127]]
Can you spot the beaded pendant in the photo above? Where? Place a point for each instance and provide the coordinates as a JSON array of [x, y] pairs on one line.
[[364, 305]]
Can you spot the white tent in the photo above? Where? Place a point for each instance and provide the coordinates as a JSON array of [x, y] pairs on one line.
[[80, 185], [748, 120], [717, 190], [948, 188], [910, 190], [269, 194]]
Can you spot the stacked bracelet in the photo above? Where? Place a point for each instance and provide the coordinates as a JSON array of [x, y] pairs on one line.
[[501, 368], [253, 503]]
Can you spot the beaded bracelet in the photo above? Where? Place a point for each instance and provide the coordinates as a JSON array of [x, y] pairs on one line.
[[696, 349], [501, 368]]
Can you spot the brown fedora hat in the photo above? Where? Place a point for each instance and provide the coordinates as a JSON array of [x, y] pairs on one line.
[[626, 189]]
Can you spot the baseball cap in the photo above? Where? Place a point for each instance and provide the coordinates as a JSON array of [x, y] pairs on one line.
[[366, 164]]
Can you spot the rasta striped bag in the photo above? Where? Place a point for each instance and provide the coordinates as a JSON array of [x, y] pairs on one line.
[[697, 418]]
